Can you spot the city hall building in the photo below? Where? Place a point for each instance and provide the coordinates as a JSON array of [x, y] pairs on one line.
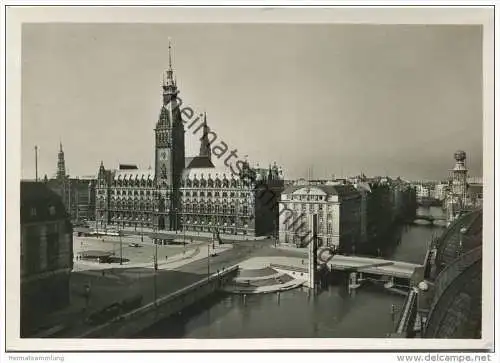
[[188, 193]]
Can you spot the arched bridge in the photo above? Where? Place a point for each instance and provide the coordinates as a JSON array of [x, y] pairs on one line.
[[428, 218]]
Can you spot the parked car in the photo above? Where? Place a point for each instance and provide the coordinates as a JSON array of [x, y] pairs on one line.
[[134, 245]]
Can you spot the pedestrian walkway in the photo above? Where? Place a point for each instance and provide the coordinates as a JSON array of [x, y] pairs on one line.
[[233, 289], [180, 235], [176, 261], [267, 261]]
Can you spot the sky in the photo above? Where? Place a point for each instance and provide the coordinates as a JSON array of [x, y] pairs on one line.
[[319, 99]]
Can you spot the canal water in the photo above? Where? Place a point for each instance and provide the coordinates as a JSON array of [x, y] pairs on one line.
[[332, 313]]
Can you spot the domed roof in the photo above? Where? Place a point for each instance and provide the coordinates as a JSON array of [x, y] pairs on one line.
[[459, 155], [456, 308]]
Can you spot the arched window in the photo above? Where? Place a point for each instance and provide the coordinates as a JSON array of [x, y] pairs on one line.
[[189, 183], [218, 183], [210, 183]]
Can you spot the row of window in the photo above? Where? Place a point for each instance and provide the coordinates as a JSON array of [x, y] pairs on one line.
[[213, 208], [187, 206], [52, 211], [295, 239], [132, 183], [315, 198], [322, 228], [311, 207], [213, 183], [203, 193], [188, 183], [295, 215], [221, 221]]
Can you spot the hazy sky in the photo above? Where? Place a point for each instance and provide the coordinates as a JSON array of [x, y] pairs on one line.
[[341, 99]]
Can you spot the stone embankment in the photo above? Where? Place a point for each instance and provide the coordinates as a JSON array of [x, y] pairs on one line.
[[261, 280]]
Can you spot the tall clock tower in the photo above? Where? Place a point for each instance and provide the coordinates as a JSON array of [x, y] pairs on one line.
[[169, 154]]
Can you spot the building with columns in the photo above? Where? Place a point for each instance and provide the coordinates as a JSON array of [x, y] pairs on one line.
[[187, 193], [339, 215]]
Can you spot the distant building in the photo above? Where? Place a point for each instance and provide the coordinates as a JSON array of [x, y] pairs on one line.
[[464, 193], [380, 208], [440, 191], [339, 215], [77, 194], [475, 195], [46, 253], [423, 191]]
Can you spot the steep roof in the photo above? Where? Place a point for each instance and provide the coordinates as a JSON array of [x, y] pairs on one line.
[[39, 203], [198, 162]]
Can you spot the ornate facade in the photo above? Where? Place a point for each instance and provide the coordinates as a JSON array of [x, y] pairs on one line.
[[339, 215], [188, 194]]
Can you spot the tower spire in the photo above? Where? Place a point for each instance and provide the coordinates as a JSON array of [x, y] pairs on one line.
[[169, 83], [169, 54], [61, 167], [205, 143]]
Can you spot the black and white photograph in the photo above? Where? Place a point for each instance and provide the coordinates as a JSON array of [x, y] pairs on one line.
[[207, 178]]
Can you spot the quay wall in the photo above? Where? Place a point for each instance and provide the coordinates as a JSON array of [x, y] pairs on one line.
[[131, 323]]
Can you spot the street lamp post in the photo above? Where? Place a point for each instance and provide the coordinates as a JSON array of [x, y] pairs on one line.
[[155, 271], [213, 233], [208, 262], [275, 234], [142, 228], [121, 246]]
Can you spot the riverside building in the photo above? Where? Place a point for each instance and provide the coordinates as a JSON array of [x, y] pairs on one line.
[[339, 215]]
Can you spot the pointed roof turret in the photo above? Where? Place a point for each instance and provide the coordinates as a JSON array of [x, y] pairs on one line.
[[205, 143], [61, 166]]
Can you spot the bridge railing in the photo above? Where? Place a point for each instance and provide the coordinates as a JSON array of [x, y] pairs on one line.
[[288, 267], [408, 315]]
